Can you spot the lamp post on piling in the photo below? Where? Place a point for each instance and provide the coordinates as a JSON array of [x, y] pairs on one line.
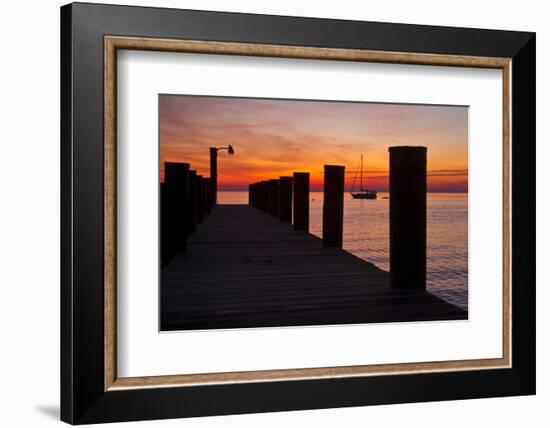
[[214, 169]]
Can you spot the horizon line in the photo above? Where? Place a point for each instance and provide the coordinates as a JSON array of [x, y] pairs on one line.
[[349, 191]]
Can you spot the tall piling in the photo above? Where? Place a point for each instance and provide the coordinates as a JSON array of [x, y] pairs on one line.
[[192, 202], [176, 180], [164, 240], [173, 203], [285, 199], [274, 197], [210, 194], [213, 176], [333, 206], [301, 201], [408, 216], [200, 199], [265, 196]]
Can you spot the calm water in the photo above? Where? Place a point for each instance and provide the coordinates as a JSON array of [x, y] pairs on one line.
[[366, 234]]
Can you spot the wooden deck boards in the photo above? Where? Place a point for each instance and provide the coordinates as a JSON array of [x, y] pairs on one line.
[[244, 268]]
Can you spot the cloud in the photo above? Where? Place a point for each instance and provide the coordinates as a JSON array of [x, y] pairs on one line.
[[276, 137]]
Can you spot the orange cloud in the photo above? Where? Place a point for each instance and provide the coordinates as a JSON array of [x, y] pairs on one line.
[[273, 138]]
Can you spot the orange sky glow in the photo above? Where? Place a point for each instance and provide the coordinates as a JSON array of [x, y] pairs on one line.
[[273, 138]]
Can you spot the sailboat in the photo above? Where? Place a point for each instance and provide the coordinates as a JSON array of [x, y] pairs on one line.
[[363, 193]]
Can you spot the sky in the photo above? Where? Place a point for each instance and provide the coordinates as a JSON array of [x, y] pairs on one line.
[[273, 138]]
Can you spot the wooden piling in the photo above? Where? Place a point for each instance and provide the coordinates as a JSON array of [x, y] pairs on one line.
[[174, 195], [214, 176], [333, 206], [176, 179], [164, 240], [175, 173], [265, 196], [285, 199], [274, 197], [258, 195], [192, 202], [200, 198], [408, 216], [253, 190], [301, 201], [209, 196]]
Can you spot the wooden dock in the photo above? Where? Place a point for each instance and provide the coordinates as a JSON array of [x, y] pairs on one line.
[[245, 268]]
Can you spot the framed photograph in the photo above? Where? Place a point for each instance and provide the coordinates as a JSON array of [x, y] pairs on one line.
[[266, 213]]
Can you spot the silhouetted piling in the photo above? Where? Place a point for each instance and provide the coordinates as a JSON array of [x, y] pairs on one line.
[[285, 199], [274, 197], [174, 200], [301, 201], [333, 206], [214, 176], [265, 196], [253, 195], [176, 179], [210, 194], [200, 199], [175, 173], [408, 217], [164, 240], [192, 206]]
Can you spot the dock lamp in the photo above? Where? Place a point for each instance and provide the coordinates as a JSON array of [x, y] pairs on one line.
[[229, 149], [214, 169]]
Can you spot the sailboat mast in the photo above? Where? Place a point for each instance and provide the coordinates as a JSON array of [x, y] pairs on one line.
[[361, 176]]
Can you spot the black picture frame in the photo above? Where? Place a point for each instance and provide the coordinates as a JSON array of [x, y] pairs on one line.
[[83, 398]]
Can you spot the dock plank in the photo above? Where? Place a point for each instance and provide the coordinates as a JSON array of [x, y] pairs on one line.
[[244, 268]]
